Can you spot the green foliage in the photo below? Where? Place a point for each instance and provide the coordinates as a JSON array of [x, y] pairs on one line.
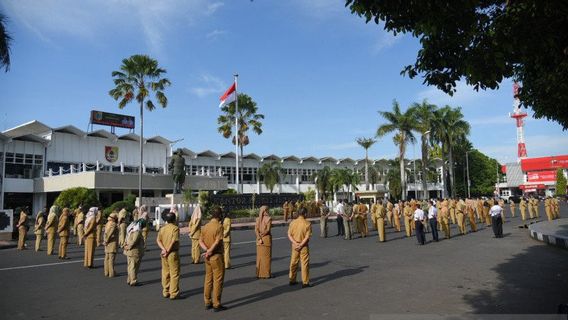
[[276, 212], [74, 197], [229, 191], [5, 43], [206, 205], [484, 42], [560, 183], [322, 182], [244, 213], [188, 196], [482, 172], [270, 173], [127, 204], [310, 195]]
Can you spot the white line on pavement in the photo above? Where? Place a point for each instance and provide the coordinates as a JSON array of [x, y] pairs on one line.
[[80, 261]]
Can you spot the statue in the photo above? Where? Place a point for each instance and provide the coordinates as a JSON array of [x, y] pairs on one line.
[[177, 168]]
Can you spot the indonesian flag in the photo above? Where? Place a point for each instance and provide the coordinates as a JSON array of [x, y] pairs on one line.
[[229, 95]]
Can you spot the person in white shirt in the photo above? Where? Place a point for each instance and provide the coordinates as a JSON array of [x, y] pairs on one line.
[[496, 220], [433, 220], [419, 218], [340, 212]]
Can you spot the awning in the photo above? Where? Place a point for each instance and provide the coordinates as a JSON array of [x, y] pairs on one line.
[[528, 187]]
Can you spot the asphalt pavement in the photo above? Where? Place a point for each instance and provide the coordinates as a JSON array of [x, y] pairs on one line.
[[357, 279]]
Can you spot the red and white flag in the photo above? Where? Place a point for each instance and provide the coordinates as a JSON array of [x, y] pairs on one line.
[[229, 95]]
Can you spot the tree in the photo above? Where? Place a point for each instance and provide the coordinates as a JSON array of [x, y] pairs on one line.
[[5, 41], [322, 182], [248, 118], [424, 117], [270, 173], [485, 42], [139, 75], [393, 180], [75, 197], [366, 143], [403, 123], [560, 183]]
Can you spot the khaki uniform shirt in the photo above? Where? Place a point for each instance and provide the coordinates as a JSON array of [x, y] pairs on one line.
[[169, 234], [111, 237], [300, 229], [51, 223], [135, 242], [212, 232], [194, 229], [227, 230], [63, 227], [39, 224]]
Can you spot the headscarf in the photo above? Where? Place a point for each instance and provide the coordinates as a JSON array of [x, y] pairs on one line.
[[54, 210], [91, 215], [143, 212], [196, 215], [263, 221], [134, 226]]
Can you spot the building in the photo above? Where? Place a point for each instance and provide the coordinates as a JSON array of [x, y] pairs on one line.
[[532, 176]]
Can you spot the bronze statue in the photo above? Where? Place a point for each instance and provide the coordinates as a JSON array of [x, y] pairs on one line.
[[177, 168]]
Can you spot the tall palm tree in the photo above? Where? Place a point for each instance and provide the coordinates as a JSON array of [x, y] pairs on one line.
[[139, 75], [424, 116], [248, 118], [449, 127], [366, 143], [270, 173], [5, 40], [322, 181], [403, 123]]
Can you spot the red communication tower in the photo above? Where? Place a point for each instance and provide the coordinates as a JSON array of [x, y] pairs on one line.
[[519, 115]]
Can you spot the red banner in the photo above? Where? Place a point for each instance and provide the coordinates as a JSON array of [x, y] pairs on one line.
[[541, 176], [544, 163], [527, 187]]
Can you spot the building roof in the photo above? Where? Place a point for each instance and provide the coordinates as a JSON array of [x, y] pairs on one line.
[[314, 159], [290, 158], [271, 157], [33, 127], [252, 156], [328, 159], [102, 134], [70, 130], [130, 137], [228, 155], [187, 152], [32, 138], [208, 153], [159, 139]]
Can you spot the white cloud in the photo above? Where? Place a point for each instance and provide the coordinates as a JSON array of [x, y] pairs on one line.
[[385, 41], [464, 95], [208, 85], [537, 146], [215, 34], [213, 7]]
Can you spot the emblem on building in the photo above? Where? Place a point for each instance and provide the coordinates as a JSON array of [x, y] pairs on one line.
[[111, 154]]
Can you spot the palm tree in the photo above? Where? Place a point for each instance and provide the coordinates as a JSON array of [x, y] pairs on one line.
[[5, 40], [403, 123], [448, 127], [270, 173], [139, 75], [424, 115], [248, 118], [366, 143], [322, 181]]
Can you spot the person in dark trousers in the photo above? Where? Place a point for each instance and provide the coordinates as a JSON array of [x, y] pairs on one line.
[[419, 224], [433, 220], [496, 220], [340, 212]]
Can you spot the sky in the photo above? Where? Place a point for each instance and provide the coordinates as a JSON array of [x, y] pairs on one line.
[[318, 73]]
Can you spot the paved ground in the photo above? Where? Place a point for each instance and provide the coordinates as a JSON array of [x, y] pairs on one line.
[[356, 279]]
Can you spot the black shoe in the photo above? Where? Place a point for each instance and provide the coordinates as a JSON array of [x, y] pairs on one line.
[[208, 307], [219, 309], [306, 285], [293, 283]]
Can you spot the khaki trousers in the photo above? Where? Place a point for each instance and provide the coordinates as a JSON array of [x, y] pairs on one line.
[[214, 275], [99, 234], [445, 222], [396, 223], [407, 226], [523, 214], [303, 257], [170, 275], [80, 234], [453, 215], [50, 242], [381, 229], [195, 253], [122, 234], [63, 246], [145, 235], [39, 237], [109, 264], [487, 216], [227, 254], [461, 222], [22, 238], [89, 251], [133, 264], [472, 223]]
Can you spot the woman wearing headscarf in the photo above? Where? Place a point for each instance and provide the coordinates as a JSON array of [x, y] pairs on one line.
[[38, 229], [134, 249], [110, 241], [63, 231], [122, 227], [22, 230], [146, 225], [263, 243], [194, 233], [51, 228], [90, 235]]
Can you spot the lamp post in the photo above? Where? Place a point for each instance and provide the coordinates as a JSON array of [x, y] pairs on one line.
[[467, 170]]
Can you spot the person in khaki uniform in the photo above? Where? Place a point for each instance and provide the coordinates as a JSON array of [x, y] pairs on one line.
[[262, 230], [38, 229], [227, 241], [168, 242], [460, 216], [195, 234], [110, 241], [99, 223], [51, 228], [487, 204], [470, 212], [22, 230], [210, 241], [63, 231], [445, 219], [122, 227], [556, 203], [324, 214], [408, 219], [523, 209], [390, 216], [381, 216], [396, 216], [373, 210], [134, 249], [146, 228], [348, 221], [299, 233], [513, 208], [89, 237], [452, 206], [363, 224], [547, 209], [286, 210], [80, 225]]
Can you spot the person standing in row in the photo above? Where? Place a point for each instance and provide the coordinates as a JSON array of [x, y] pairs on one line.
[[381, 216], [122, 226], [512, 207], [433, 220], [227, 241], [460, 216], [396, 217], [497, 220], [195, 234], [348, 221], [523, 209], [110, 241], [373, 211], [408, 220], [63, 231], [547, 208], [287, 209], [51, 228], [419, 218], [536, 207], [324, 215], [340, 215], [299, 234], [445, 219], [452, 206], [80, 223], [134, 249], [38, 229], [146, 224], [210, 241], [90, 235], [390, 215], [471, 215], [22, 229], [168, 242], [262, 230], [99, 227]]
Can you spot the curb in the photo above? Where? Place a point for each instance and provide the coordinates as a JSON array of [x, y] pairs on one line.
[[560, 242], [8, 244]]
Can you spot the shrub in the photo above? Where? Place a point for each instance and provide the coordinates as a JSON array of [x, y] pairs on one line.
[[73, 197], [310, 195], [127, 203], [276, 212]]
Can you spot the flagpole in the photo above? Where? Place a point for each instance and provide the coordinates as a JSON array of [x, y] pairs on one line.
[[237, 133]]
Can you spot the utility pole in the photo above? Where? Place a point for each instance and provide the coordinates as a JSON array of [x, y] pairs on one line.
[[467, 170]]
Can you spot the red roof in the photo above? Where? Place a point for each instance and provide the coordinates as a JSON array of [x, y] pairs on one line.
[[544, 163]]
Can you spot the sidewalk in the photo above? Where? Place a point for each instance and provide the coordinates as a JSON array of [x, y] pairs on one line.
[[553, 232]]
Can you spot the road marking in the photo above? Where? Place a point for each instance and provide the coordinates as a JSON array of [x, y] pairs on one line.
[[97, 259]]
